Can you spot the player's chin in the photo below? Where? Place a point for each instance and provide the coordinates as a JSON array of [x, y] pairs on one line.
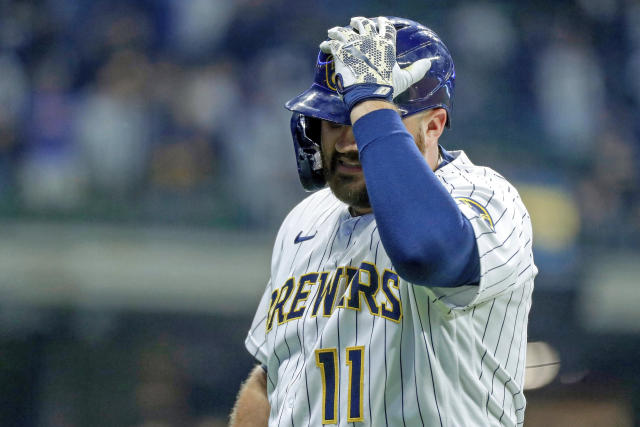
[[346, 184], [350, 190]]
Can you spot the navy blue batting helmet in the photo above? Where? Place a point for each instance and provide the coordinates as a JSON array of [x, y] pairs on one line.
[[322, 101]]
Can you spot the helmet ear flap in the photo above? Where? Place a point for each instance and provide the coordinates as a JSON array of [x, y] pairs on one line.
[[306, 144]]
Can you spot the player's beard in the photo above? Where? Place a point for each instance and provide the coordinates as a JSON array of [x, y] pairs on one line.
[[350, 189]]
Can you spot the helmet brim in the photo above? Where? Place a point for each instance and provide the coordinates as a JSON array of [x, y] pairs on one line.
[[320, 103]]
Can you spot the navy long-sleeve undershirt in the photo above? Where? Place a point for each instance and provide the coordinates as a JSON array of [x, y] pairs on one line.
[[428, 239]]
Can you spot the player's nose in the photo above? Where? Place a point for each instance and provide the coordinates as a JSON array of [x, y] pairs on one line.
[[346, 142]]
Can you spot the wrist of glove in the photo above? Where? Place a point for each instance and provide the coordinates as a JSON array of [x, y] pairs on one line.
[[355, 94]]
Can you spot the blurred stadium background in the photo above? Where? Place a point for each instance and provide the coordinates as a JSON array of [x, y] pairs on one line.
[[145, 164]]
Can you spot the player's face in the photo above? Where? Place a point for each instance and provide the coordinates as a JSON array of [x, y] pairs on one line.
[[342, 168]]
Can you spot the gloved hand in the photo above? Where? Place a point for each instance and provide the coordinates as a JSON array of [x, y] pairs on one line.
[[365, 61]]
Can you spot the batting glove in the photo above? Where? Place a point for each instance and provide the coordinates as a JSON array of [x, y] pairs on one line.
[[365, 61]]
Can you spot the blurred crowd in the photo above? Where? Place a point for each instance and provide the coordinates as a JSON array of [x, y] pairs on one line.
[[171, 110]]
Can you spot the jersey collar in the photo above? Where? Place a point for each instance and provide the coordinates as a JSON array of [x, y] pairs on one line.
[[445, 157]]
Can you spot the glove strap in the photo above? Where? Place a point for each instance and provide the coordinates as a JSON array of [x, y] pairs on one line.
[[357, 93]]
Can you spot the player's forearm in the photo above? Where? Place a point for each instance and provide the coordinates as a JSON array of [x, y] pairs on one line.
[[369, 106], [252, 406], [423, 231]]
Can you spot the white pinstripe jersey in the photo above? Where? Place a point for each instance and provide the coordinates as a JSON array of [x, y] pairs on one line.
[[346, 340]]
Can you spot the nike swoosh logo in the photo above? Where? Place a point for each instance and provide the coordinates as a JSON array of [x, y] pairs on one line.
[[300, 238]]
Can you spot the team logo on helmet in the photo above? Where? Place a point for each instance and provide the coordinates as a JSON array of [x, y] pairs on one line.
[[329, 73]]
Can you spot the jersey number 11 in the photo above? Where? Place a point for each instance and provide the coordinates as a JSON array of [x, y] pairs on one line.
[[327, 361]]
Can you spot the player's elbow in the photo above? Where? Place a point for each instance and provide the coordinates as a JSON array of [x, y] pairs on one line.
[[444, 262], [417, 265]]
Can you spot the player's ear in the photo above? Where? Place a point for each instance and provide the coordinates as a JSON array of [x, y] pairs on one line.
[[434, 122]]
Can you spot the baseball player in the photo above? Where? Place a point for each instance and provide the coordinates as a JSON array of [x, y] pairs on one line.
[[399, 295]]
